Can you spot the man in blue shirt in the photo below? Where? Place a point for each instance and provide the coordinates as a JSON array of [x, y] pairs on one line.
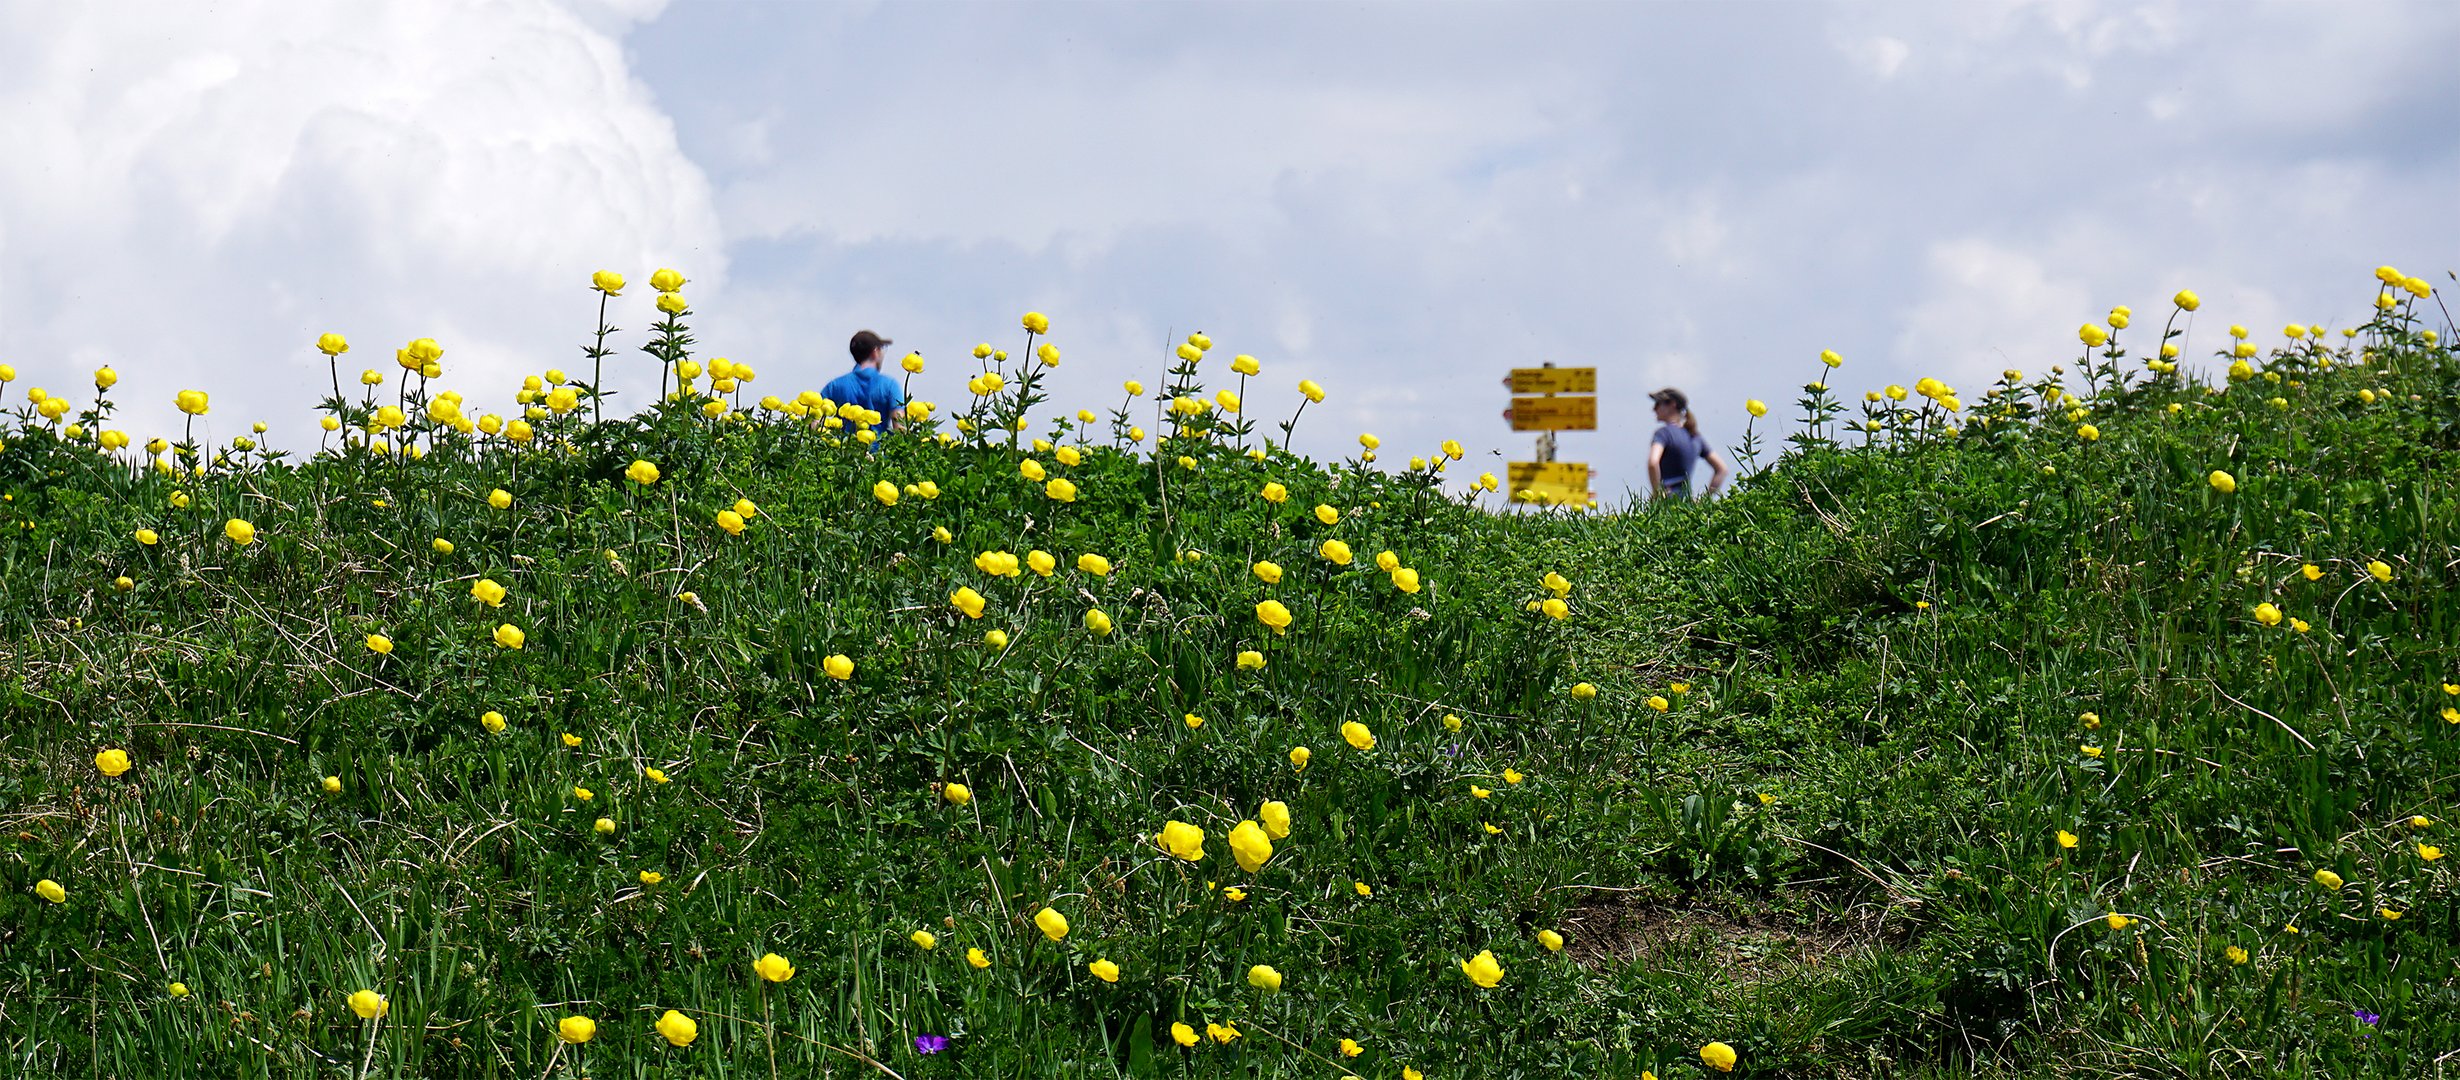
[[865, 385]]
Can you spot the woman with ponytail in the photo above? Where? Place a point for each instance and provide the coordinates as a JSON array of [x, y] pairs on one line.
[[1678, 446]]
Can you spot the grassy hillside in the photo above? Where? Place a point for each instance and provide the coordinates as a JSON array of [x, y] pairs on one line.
[[2101, 722]]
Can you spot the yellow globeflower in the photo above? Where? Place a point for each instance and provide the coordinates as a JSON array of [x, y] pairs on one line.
[[2382, 571], [1482, 969], [1093, 564], [1183, 1035], [192, 402], [1104, 970], [1037, 323], [1335, 552], [51, 891], [369, 1004], [1098, 622], [579, 1029], [968, 601], [1263, 977], [1251, 660], [642, 473], [112, 762], [2235, 954], [1357, 735], [839, 666], [1405, 579], [1276, 818], [1584, 691], [1274, 614], [678, 1028], [1719, 1056], [2222, 482], [379, 644], [924, 939], [773, 968], [493, 721], [1267, 571], [1552, 940], [1053, 924], [2067, 839], [1299, 756], [509, 636], [1182, 840], [243, 534], [885, 492], [976, 958], [488, 592], [1251, 846], [956, 793], [500, 499], [2327, 879], [2187, 300], [1327, 514], [1275, 493], [2267, 615]]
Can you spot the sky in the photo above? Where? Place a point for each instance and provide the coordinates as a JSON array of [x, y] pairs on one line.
[[1400, 201]]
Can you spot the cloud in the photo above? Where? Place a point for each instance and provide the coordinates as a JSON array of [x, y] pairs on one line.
[[193, 194]]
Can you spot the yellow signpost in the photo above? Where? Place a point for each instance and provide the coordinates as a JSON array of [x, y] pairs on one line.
[[1553, 380], [1554, 414], [1535, 407], [1549, 481]]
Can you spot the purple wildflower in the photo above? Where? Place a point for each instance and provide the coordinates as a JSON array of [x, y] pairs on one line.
[[2369, 1018], [930, 1044]]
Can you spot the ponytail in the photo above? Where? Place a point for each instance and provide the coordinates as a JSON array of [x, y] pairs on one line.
[[1691, 423]]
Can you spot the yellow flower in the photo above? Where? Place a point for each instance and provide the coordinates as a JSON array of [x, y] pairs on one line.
[[642, 473], [957, 793], [1327, 514], [500, 499], [773, 968], [192, 402], [2421, 821], [1335, 552], [605, 826], [1273, 614], [1275, 493], [179, 989], [1183, 1035], [666, 280], [2300, 625], [839, 666], [1251, 660], [1093, 564], [369, 1004], [509, 636], [997, 639], [1234, 894], [678, 1028], [1719, 1056], [2381, 571], [2388, 914], [1482, 969], [655, 775], [672, 303], [1054, 925], [968, 601], [2312, 572], [1250, 846], [1362, 888], [1583, 691], [2117, 921], [50, 890], [2088, 432], [1268, 572], [243, 534], [1181, 840], [571, 740], [1299, 756], [2267, 615], [2090, 751], [2222, 482], [1357, 735], [1553, 941], [1659, 703], [924, 939], [651, 877], [1037, 323], [2067, 839], [1193, 721], [2429, 852], [2327, 879], [1313, 392], [1263, 977], [486, 591], [1221, 1033], [2093, 336], [1350, 1048], [1405, 579], [379, 644], [2235, 954], [1276, 817], [975, 957], [1408, 1073], [1104, 970], [1097, 622], [885, 492], [580, 1029], [148, 537], [112, 762]]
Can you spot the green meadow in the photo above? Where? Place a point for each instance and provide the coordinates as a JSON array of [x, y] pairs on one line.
[[2101, 721]]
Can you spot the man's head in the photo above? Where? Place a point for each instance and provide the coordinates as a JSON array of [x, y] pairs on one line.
[[866, 347]]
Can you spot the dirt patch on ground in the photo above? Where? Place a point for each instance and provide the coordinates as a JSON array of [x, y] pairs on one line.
[[1752, 943]]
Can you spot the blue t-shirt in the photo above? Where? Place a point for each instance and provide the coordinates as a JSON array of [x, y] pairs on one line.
[[1683, 450], [865, 386]]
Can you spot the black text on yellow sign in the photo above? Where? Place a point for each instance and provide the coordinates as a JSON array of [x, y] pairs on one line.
[[1549, 481], [1553, 380], [1554, 414]]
